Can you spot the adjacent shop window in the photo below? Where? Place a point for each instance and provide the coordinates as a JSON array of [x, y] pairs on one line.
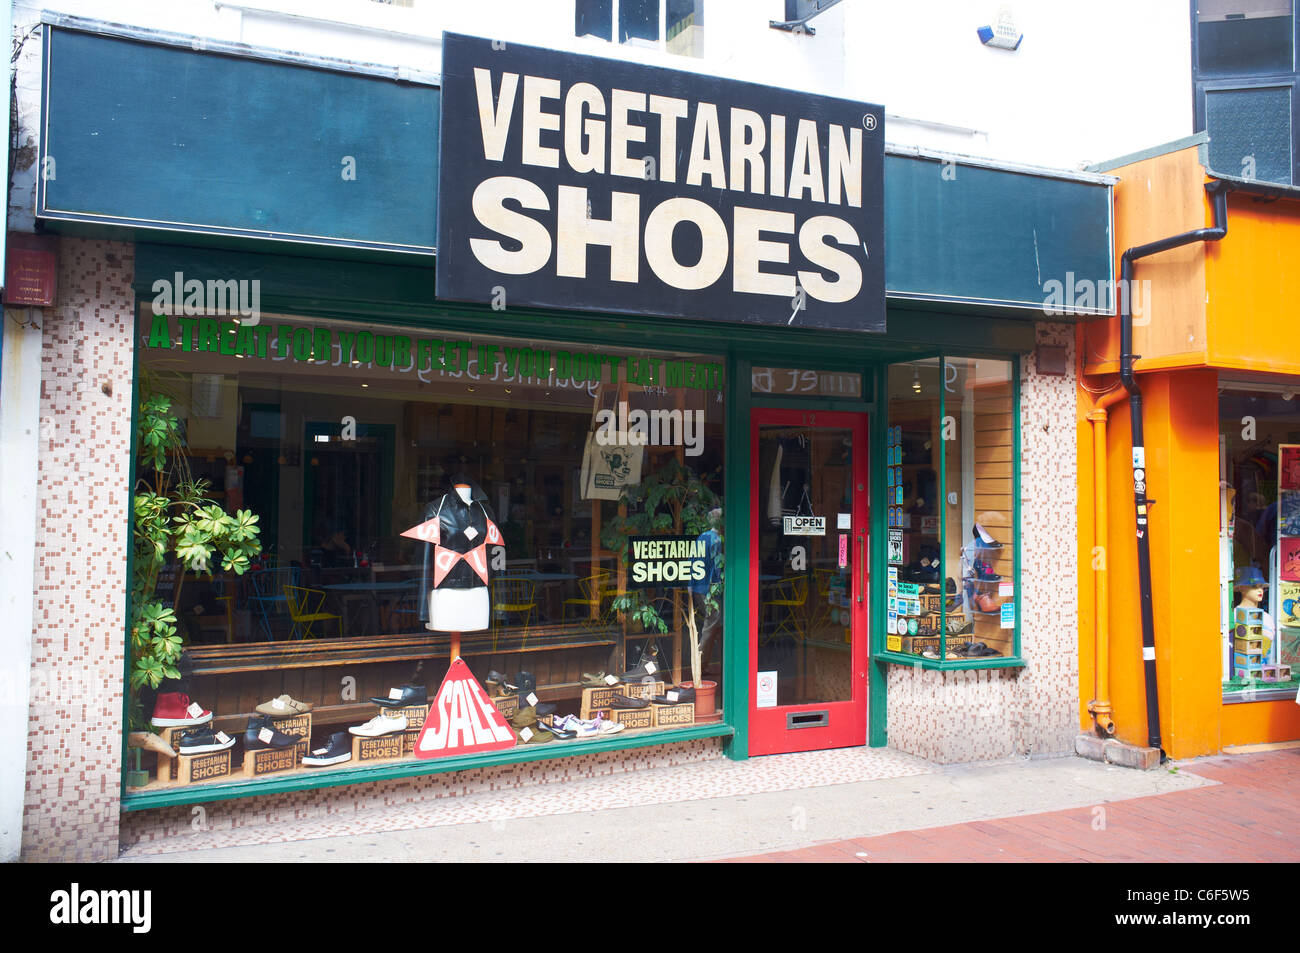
[[951, 509], [321, 504], [1259, 531]]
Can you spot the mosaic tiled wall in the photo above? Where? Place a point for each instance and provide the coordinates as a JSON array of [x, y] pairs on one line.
[[74, 735], [999, 713], [349, 803]]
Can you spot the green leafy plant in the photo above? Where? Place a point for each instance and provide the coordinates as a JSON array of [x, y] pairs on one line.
[[672, 499], [172, 517]]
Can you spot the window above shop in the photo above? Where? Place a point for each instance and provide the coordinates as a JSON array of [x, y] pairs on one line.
[[676, 26], [951, 485]]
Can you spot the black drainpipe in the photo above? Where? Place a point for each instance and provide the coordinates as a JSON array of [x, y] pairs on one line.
[[1218, 192]]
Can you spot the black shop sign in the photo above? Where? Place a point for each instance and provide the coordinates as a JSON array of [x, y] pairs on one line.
[[571, 181]]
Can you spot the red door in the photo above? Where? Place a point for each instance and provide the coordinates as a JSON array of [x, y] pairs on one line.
[[809, 582]]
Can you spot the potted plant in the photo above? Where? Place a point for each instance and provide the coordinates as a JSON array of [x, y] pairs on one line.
[[674, 498], [172, 516]]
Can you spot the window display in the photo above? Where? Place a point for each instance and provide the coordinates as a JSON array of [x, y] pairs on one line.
[[1259, 533], [326, 512], [950, 479]]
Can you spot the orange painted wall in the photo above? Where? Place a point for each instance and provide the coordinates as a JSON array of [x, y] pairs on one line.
[[1181, 425], [1253, 285], [1255, 722], [1242, 292]]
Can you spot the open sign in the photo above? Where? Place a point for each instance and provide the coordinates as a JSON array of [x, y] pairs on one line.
[[805, 525]]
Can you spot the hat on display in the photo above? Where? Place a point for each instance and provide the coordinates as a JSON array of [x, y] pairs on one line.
[[1249, 577]]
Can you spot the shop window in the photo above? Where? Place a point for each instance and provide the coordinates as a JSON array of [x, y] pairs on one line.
[[320, 504], [1259, 532], [1240, 37], [1250, 132], [951, 491]]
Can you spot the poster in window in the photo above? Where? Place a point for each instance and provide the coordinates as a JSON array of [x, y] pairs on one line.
[[1288, 558], [1288, 477]]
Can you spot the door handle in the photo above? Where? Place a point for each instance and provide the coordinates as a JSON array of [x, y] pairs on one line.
[[862, 566]]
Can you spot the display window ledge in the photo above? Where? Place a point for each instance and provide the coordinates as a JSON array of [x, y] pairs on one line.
[[409, 768], [1259, 695], [949, 665]]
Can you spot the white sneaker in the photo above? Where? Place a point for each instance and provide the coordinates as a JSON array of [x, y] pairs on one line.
[[381, 724], [585, 729], [609, 727]]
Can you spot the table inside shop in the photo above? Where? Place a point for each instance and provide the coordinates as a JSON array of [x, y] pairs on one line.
[[549, 583], [350, 592]]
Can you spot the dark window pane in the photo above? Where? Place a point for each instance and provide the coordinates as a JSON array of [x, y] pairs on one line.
[[1240, 37], [593, 17], [638, 20], [1250, 132]]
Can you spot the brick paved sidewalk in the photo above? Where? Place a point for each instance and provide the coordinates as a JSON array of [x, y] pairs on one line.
[[1251, 815]]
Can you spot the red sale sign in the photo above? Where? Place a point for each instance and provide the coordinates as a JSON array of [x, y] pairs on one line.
[[462, 719]]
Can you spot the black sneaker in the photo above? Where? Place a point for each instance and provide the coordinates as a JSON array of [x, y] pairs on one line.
[[674, 696], [262, 734], [523, 683], [203, 739], [337, 750]]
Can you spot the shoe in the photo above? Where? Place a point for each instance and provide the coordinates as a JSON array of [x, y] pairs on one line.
[[950, 586], [983, 538], [598, 680], [984, 570], [562, 733], [647, 671], [986, 603], [523, 683], [524, 717], [175, 710], [536, 735], [604, 727], [403, 697], [959, 625], [261, 735], [204, 739], [148, 741], [381, 724], [337, 750], [929, 654], [583, 729], [674, 696], [622, 701], [283, 707]]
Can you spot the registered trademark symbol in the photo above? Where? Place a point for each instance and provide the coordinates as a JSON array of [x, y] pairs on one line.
[[869, 122]]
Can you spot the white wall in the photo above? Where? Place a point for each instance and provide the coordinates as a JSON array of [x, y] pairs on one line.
[[1090, 82]]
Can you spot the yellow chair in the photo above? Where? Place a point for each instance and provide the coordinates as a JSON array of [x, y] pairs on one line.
[[595, 590], [790, 594], [305, 607], [513, 595]]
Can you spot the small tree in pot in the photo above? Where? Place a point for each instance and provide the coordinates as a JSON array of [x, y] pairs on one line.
[[672, 499], [172, 516]]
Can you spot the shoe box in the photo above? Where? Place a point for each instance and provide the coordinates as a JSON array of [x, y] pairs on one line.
[[266, 761], [632, 717], [670, 715], [300, 727], [384, 748], [415, 715], [599, 699], [915, 644], [193, 768]]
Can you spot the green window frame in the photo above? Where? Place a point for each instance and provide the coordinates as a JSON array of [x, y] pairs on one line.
[[880, 648]]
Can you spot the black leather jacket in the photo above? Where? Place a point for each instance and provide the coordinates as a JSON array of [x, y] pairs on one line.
[[458, 547]]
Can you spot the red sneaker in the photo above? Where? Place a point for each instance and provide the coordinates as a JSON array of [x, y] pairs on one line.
[[174, 710]]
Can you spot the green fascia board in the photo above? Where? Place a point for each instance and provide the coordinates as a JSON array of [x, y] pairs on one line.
[[147, 135], [258, 787], [152, 135], [969, 233]]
